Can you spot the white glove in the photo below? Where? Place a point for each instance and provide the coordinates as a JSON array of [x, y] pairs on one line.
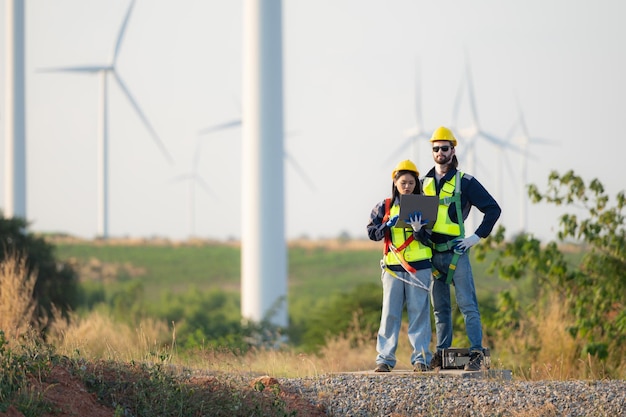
[[415, 220], [463, 245]]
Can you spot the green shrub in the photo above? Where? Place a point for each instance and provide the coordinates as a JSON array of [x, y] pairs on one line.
[[56, 281]]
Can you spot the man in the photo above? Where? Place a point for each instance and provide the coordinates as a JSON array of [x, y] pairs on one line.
[[457, 192]]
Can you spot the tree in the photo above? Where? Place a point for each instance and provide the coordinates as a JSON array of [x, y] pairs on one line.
[[57, 282], [593, 290]]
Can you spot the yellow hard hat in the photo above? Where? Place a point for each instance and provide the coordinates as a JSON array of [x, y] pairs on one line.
[[405, 165], [443, 133]]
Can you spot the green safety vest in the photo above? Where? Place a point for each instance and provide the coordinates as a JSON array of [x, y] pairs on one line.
[[408, 249], [449, 193]]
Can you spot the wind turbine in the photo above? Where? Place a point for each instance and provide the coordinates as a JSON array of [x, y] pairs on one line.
[[417, 133], [15, 114], [194, 179], [103, 71], [473, 133], [525, 140]]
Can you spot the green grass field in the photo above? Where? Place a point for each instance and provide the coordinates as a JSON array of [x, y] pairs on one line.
[[315, 271]]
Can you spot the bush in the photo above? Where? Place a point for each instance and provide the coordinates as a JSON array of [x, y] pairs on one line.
[[591, 290], [56, 283], [338, 316]]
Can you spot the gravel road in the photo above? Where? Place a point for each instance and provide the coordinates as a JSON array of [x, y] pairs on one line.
[[406, 394]]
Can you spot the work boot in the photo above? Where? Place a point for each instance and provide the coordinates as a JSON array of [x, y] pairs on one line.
[[437, 360], [420, 367], [475, 361], [382, 367]]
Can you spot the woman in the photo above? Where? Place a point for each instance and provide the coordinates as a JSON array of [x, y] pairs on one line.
[[405, 276]]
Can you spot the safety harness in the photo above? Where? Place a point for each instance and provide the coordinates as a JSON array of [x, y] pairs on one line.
[[455, 199], [397, 253]]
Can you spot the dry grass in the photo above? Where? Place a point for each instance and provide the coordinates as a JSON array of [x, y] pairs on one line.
[[558, 357], [97, 336], [353, 351], [541, 350], [17, 306]]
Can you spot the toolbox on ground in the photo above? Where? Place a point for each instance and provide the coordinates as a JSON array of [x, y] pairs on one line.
[[457, 358]]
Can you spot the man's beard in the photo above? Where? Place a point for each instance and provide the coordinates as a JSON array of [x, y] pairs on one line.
[[443, 161]]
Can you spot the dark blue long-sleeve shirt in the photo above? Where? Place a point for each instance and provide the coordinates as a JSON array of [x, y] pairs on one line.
[[472, 194]]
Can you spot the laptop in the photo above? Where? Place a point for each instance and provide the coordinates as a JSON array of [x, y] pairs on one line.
[[427, 204]]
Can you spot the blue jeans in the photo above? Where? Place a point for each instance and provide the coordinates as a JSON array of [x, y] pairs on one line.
[[397, 294], [465, 292]]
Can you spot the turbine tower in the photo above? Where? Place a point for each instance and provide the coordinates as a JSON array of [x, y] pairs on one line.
[[103, 71], [15, 114], [263, 245]]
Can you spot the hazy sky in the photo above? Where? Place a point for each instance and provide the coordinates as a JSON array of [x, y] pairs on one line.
[[350, 71]]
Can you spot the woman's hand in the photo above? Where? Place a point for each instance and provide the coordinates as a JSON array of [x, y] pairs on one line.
[[392, 221], [415, 220]]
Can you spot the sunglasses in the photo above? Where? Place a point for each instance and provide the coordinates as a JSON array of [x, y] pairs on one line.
[[443, 148]]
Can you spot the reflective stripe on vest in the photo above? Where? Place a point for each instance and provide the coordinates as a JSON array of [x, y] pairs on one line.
[[415, 251], [448, 194]]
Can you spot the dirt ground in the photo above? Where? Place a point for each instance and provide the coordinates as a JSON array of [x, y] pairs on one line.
[[69, 397]]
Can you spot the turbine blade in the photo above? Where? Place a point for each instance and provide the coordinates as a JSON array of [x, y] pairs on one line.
[[205, 186], [457, 105], [469, 148], [143, 118], [524, 128], [120, 36], [86, 68], [510, 133], [470, 90], [221, 126], [509, 167], [493, 139], [502, 143], [300, 171]]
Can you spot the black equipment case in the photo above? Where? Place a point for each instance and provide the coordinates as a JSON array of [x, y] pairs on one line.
[[457, 358]]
